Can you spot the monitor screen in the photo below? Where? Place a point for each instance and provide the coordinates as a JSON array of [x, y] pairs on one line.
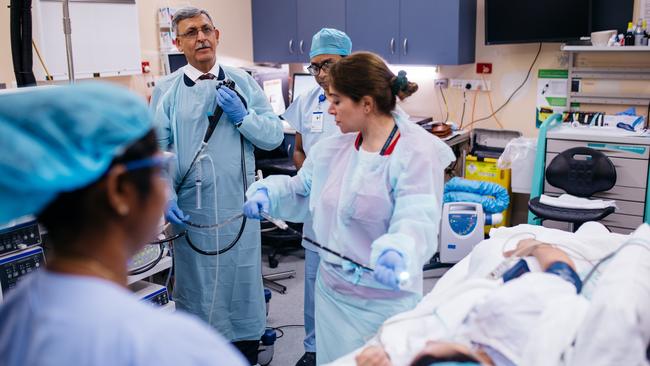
[[524, 21], [301, 84], [176, 61]]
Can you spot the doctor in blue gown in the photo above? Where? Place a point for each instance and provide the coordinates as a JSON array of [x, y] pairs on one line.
[[85, 161], [224, 290]]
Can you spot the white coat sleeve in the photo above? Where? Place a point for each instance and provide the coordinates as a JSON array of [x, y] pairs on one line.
[[413, 227], [289, 196], [262, 127]]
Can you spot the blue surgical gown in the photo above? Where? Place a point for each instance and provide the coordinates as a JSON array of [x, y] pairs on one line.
[[54, 319], [363, 204], [235, 306]]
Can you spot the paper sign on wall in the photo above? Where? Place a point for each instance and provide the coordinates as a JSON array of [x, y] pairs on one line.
[[551, 93], [273, 91]]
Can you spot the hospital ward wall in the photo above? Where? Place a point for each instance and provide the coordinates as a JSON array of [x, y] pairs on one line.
[[233, 18]]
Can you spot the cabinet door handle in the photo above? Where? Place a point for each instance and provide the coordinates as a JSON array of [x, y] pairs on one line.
[[300, 46], [405, 46], [291, 46], [392, 46]]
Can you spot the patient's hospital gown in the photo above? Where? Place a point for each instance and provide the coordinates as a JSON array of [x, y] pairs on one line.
[[54, 319]]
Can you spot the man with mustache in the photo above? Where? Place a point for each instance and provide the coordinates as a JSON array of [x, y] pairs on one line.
[[225, 290]]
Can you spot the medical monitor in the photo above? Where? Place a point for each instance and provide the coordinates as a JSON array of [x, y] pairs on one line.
[[302, 82], [173, 61]]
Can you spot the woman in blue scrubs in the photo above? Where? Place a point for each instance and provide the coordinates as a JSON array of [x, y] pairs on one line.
[[85, 161]]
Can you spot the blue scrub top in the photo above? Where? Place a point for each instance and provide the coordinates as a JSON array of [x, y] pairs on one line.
[[54, 319]]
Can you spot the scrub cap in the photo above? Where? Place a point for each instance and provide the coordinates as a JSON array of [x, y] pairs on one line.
[[58, 139], [329, 41]]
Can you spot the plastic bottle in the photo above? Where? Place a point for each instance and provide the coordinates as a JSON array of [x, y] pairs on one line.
[[629, 35], [644, 41], [265, 352], [639, 33]]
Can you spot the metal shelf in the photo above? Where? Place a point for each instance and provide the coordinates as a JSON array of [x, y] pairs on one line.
[[164, 264], [605, 73]]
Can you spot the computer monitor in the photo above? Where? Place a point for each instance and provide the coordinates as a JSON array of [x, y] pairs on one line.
[[302, 82], [172, 61]]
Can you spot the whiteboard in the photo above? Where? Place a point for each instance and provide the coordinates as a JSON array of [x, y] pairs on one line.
[[105, 39]]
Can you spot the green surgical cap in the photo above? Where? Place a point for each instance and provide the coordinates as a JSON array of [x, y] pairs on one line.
[[329, 41], [59, 139]]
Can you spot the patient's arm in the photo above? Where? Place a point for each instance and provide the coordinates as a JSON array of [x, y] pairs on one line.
[[545, 253], [373, 356]]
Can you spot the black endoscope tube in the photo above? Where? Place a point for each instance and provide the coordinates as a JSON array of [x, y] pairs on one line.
[[211, 127], [243, 224]]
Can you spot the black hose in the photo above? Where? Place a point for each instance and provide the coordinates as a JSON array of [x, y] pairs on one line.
[[243, 224], [21, 41]]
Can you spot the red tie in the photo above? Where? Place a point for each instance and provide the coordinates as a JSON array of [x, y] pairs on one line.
[[207, 76]]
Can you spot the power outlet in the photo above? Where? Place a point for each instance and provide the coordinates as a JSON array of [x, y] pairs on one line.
[[441, 83], [470, 84]]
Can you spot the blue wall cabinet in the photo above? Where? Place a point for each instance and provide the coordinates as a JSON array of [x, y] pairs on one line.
[[275, 31], [282, 29], [416, 32], [438, 32], [314, 15], [373, 25]]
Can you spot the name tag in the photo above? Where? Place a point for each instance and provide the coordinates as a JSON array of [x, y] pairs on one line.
[[317, 122]]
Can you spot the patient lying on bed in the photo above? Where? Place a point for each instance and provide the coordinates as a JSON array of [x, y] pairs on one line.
[[536, 318]]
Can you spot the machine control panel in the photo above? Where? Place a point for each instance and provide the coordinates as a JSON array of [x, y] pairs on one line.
[[463, 223], [19, 237], [150, 292], [15, 266]]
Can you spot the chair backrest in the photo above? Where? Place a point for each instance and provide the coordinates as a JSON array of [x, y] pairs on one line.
[[581, 171]]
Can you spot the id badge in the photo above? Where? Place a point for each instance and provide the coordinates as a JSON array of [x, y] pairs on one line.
[[317, 122]]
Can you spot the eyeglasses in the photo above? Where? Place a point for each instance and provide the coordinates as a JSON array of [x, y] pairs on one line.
[[315, 69], [194, 32], [157, 161]]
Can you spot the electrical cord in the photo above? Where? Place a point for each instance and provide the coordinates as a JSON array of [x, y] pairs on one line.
[[279, 328], [462, 117], [539, 50], [445, 101], [631, 242]]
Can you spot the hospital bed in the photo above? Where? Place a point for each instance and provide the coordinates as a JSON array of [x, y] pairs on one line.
[[405, 334]]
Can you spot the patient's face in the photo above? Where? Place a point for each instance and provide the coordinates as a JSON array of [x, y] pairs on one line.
[[440, 351]]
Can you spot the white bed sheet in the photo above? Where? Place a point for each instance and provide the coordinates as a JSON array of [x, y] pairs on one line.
[[466, 283]]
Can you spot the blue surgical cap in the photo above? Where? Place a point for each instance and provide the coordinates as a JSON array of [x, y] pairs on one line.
[[59, 139], [329, 41]]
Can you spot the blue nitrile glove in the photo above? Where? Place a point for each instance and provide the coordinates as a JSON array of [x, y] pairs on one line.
[[389, 265], [259, 201], [229, 101], [174, 214]]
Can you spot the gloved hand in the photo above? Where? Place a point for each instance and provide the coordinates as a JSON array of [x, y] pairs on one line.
[[389, 265], [174, 214], [258, 202], [229, 101]]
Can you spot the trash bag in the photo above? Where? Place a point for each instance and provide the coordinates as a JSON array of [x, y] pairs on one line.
[[520, 149]]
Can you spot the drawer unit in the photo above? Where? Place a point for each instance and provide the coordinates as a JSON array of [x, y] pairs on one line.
[[630, 157]]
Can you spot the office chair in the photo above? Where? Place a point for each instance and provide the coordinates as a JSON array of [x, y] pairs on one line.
[[591, 173]]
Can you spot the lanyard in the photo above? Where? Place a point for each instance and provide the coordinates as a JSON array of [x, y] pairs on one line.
[[386, 144]]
